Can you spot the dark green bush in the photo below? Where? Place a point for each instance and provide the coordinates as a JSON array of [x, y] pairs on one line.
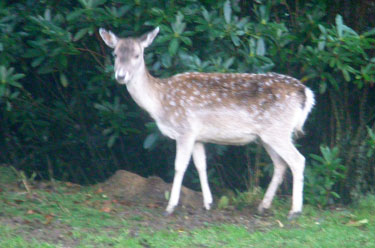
[[62, 115]]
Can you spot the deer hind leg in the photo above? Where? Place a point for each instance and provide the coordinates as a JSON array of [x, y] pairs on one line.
[[199, 158], [296, 162], [277, 178], [184, 147]]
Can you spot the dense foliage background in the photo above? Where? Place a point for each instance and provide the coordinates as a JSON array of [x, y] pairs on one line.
[[63, 116]]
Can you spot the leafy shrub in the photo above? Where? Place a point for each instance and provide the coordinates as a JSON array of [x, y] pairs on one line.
[[324, 176], [62, 115], [251, 198], [370, 142], [366, 203]]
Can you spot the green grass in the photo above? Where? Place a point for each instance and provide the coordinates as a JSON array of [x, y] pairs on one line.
[[39, 219], [316, 229]]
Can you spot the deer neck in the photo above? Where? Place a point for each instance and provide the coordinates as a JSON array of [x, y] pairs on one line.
[[143, 88]]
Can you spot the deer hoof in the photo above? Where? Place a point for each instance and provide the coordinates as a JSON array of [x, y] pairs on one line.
[[168, 212], [294, 215], [208, 206], [260, 210], [264, 212]]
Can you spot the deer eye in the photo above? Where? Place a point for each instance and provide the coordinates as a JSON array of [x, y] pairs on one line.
[[136, 56], [114, 54]]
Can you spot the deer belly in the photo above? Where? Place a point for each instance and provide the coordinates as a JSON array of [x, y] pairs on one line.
[[226, 136], [227, 128], [219, 127]]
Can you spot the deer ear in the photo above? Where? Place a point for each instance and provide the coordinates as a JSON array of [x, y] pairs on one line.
[[147, 38], [108, 37]]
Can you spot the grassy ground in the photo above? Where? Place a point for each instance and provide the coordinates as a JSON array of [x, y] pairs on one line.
[[66, 215]]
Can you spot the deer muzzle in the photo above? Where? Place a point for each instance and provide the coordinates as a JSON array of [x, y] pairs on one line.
[[122, 76]]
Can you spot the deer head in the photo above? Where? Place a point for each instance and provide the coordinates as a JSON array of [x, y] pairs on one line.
[[128, 53]]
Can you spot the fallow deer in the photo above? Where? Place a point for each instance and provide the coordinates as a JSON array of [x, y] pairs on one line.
[[222, 108]]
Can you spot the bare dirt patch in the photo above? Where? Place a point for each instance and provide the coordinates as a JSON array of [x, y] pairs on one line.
[[133, 188], [146, 201], [139, 202]]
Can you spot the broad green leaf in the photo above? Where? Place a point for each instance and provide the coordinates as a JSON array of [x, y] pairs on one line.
[[107, 131], [228, 62], [63, 59], [75, 14], [321, 43], [15, 84], [227, 11], [261, 48], [339, 25], [80, 34], [235, 39], [371, 32], [100, 107], [17, 76], [322, 87], [8, 106], [186, 41], [263, 14], [317, 158], [332, 62], [178, 26], [322, 29], [157, 11], [63, 80], [166, 60], [85, 3], [150, 140], [334, 194], [163, 38], [37, 61], [47, 14], [56, 51], [346, 75], [112, 140], [173, 46], [14, 95], [206, 15], [349, 31]]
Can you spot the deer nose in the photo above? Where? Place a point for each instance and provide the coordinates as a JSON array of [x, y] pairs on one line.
[[120, 78]]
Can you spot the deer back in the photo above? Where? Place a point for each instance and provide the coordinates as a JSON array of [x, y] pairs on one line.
[[215, 104]]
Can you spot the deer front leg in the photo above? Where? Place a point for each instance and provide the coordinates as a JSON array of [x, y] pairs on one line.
[[184, 147], [199, 158]]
